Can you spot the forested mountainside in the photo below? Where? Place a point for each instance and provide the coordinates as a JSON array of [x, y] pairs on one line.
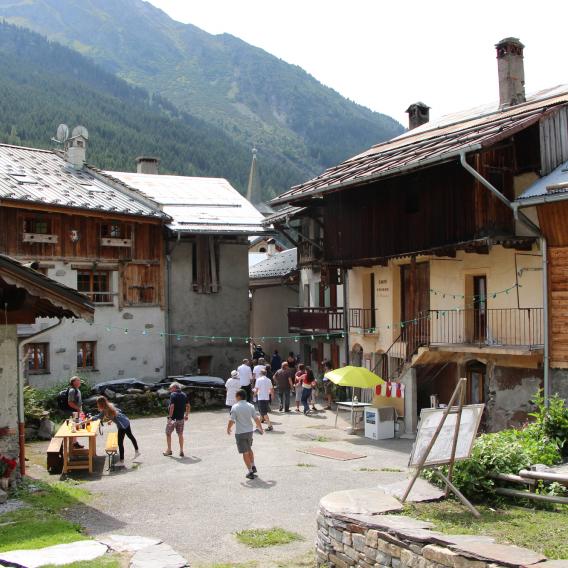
[[43, 84], [252, 96]]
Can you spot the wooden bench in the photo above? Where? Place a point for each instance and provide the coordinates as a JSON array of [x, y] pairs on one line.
[[55, 455], [111, 448]]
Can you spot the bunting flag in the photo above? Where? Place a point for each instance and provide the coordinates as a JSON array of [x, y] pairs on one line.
[[390, 390]]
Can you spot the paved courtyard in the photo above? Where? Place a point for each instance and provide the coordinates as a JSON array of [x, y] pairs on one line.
[[197, 503]]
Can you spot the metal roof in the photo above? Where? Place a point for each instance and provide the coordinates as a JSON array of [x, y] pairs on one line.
[[197, 204], [43, 176], [551, 187], [283, 214], [431, 143], [278, 265]]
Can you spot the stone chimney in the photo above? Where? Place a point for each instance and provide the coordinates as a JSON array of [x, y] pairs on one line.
[[271, 248], [418, 114], [147, 165], [76, 152], [511, 72]]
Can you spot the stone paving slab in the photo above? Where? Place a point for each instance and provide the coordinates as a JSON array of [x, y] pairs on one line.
[[360, 501], [462, 539], [127, 543], [59, 554], [551, 564], [332, 454], [507, 554], [158, 556], [421, 490], [391, 523]]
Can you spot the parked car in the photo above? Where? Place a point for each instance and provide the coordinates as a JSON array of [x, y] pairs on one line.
[[191, 381], [119, 385]]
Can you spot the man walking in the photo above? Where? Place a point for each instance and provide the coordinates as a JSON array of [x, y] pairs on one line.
[[276, 361], [264, 390], [283, 380], [244, 416], [245, 377], [178, 415]]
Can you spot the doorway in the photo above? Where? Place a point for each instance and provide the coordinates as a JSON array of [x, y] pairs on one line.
[[476, 373], [480, 309], [415, 305]]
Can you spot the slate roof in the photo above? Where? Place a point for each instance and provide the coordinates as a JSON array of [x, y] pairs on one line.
[[551, 187], [276, 266], [43, 176], [197, 204], [433, 142]]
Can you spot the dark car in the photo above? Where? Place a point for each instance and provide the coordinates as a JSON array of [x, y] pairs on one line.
[[119, 385], [192, 381]]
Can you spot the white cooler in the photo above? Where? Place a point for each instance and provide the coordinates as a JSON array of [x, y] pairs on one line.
[[379, 423]]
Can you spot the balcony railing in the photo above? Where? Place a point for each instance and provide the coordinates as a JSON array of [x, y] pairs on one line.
[[363, 319], [308, 252], [315, 320]]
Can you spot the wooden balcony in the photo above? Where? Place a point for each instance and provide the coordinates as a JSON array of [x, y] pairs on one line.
[[309, 253], [315, 320]]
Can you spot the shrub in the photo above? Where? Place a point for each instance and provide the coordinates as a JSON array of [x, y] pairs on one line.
[[552, 421]]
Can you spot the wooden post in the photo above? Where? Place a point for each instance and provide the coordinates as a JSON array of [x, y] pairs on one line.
[[423, 459], [459, 495], [461, 385]]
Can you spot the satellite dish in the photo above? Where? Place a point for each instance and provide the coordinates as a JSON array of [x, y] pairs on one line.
[[80, 131], [62, 133]]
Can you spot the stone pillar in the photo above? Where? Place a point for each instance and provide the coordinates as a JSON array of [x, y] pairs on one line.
[[408, 379]]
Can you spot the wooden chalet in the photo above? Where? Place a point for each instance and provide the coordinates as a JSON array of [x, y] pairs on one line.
[[442, 273]]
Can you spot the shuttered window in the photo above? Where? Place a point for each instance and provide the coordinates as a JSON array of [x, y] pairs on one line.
[[205, 265]]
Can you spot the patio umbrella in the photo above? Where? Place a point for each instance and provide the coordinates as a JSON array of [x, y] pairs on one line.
[[358, 377]]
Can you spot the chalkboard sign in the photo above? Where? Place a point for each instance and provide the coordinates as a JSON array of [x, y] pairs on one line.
[[441, 452]]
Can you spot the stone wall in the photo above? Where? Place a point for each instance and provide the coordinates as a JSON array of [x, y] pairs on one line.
[[9, 391], [346, 538]]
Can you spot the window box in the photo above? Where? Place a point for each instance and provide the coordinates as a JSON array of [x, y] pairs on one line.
[[38, 238], [115, 242]]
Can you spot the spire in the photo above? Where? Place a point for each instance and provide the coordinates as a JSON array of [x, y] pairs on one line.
[[252, 182]]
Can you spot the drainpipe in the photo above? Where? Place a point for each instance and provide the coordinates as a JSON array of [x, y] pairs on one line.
[[21, 411], [522, 218], [346, 314]]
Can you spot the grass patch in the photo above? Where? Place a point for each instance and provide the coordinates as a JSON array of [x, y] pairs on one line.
[[261, 538], [107, 561], [40, 524], [321, 439], [541, 530], [305, 465]]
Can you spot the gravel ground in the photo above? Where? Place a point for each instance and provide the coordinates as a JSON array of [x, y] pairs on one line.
[[197, 503]]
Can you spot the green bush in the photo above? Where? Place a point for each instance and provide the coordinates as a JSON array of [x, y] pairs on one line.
[[511, 450], [36, 401]]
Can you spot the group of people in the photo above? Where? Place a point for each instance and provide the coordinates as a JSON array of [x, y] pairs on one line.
[[251, 382]]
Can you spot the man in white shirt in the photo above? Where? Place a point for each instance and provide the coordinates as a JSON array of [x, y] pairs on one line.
[[245, 377], [261, 366], [264, 390]]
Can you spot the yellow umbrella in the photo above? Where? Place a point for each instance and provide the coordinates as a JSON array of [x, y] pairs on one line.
[[357, 377]]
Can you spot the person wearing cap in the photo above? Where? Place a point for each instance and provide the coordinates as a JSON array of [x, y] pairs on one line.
[[178, 415], [232, 386]]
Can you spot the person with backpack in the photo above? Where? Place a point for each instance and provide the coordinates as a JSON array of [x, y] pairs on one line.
[[70, 400], [109, 412]]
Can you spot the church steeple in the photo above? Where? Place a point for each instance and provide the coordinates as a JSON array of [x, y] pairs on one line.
[[252, 182]]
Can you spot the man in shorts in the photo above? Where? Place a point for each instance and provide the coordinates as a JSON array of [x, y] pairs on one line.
[[244, 416], [177, 417], [264, 389]]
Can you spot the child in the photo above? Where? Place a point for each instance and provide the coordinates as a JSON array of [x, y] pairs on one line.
[[109, 412]]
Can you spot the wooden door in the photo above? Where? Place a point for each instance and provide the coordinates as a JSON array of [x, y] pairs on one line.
[[415, 298], [480, 308]]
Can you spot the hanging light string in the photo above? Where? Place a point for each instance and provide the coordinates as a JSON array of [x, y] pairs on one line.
[[327, 335]]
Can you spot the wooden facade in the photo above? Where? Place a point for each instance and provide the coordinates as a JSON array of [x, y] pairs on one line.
[[103, 242]]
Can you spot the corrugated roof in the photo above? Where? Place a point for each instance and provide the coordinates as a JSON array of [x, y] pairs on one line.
[[431, 143], [197, 204], [549, 187], [286, 212], [278, 265], [42, 176]]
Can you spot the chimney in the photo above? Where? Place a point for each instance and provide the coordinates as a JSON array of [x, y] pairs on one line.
[[76, 151], [147, 165], [511, 72], [418, 114], [271, 248]]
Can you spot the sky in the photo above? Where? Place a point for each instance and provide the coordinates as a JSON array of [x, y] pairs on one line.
[[386, 55]]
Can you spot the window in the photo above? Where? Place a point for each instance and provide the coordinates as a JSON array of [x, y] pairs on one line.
[[37, 225], [115, 231], [36, 358], [96, 284], [86, 354], [205, 260], [204, 365]]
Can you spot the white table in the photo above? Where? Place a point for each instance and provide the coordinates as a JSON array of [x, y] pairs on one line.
[[353, 407]]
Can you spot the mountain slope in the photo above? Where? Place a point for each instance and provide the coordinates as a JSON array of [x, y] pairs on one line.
[[250, 94], [43, 84]]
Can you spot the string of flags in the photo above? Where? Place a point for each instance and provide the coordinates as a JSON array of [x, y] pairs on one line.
[[247, 340]]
